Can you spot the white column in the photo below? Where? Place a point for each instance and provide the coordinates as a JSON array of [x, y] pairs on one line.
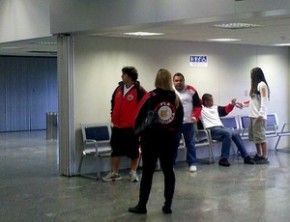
[[67, 150]]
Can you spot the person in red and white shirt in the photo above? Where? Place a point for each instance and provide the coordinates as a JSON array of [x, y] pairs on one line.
[[210, 117], [192, 107]]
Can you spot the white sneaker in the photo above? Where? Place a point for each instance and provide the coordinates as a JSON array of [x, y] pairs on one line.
[[133, 177], [192, 169], [112, 177]]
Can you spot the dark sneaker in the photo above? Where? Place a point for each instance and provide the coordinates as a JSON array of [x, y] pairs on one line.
[[224, 162], [248, 160], [256, 158], [138, 210], [166, 210], [262, 160]]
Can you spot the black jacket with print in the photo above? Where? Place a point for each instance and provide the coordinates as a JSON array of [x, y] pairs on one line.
[[169, 108]]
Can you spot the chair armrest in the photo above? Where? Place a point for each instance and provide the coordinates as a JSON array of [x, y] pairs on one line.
[[90, 141], [271, 128], [284, 127], [104, 151], [89, 151], [202, 136]]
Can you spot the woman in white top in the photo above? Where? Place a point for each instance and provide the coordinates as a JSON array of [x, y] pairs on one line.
[[259, 97]]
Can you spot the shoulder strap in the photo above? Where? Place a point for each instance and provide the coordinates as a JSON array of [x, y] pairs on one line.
[[177, 101], [140, 91], [149, 102]]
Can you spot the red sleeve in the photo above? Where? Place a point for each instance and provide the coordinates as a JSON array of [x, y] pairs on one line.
[[196, 102], [197, 112], [246, 103], [229, 108]]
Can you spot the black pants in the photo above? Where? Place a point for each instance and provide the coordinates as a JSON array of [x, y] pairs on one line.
[[154, 146]]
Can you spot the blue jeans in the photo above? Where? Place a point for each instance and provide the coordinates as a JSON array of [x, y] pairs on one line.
[[189, 138], [226, 135]]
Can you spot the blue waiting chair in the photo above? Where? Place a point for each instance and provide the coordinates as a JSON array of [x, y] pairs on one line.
[[96, 142]]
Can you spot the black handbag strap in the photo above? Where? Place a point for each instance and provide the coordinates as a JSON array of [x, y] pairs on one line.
[[149, 102]]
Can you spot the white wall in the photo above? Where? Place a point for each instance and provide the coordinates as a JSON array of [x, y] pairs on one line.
[[24, 19], [98, 64]]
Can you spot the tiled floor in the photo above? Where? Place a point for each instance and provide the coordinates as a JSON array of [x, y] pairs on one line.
[[32, 190]]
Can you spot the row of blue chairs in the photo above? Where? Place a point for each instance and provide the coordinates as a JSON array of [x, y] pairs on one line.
[[96, 138], [241, 124]]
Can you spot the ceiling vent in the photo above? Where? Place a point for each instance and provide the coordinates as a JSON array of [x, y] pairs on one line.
[[43, 52], [236, 25]]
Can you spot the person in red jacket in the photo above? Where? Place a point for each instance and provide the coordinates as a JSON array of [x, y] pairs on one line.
[[124, 142]]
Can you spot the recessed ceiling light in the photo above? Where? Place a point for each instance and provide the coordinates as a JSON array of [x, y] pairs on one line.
[[282, 44], [10, 47], [236, 25], [47, 43], [224, 40], [143, 33]]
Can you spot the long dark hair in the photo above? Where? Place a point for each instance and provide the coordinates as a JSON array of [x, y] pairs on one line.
[[257, 76]]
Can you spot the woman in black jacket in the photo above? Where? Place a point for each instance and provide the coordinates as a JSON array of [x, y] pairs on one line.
[[160, 140]]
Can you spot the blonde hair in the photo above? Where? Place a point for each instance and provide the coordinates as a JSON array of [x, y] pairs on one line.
[[163, 80]]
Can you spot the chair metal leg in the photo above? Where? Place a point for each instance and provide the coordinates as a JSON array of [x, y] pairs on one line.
[[276, 145], [99, 164], [80, 164], [236, 151], [211, 155]]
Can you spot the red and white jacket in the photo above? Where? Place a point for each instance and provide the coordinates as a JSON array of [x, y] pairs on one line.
[[191, 103], [124, 107]]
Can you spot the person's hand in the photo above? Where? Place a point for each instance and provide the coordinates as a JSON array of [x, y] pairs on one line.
[[259, 118], [193, 119], [239, 105], [234, 100]]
